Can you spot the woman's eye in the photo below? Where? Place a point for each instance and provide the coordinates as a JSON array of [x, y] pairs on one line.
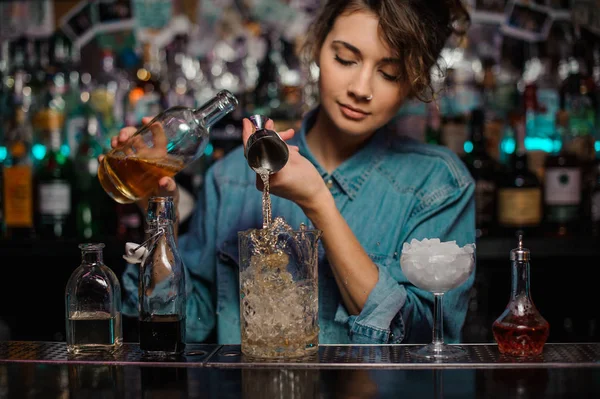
[[389, 77], [343, 62]]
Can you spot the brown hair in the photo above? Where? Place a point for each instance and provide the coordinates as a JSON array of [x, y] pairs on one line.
[[415, 30]]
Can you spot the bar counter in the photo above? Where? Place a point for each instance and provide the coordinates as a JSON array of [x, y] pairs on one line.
[[44, 370]]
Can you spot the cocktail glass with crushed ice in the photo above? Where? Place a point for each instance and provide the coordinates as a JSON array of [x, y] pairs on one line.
[[437, 267], [279, 291]]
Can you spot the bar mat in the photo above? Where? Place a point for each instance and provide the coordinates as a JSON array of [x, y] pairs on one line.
[[398, 356], [329, 356], [130, 353]]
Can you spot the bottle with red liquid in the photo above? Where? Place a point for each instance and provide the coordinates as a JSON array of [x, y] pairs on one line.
[[520, 331]]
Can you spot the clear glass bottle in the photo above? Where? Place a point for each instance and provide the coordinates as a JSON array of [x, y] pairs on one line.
[[161, 293], [93, 305], [520, 330], [167, 144]]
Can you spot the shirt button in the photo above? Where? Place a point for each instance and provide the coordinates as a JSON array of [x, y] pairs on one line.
[[329, 184]]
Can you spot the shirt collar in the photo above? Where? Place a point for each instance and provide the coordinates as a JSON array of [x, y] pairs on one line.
[[351, 175]]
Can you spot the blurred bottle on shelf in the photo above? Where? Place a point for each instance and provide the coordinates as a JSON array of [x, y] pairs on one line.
[[494, 120], [146, 97], [484, 170], [17, 173], [94, 210], [562, 184], [17, 178], [595, 202], [54, 177], [519, 199], [108, 97], [433, 131]]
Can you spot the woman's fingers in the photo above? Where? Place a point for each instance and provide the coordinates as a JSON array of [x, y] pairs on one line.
[[167, 185], [287, 134], [125, 134]]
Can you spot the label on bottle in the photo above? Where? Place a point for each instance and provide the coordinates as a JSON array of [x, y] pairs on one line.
[[519, 206], [18, 196], [55, 198], [596, 207], [545, 119], [485, 194], [562, 186]]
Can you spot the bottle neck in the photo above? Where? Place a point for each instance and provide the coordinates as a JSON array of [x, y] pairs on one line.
[[53, 140], [91, 258], [520, 279], [478, 140], [215, 109]]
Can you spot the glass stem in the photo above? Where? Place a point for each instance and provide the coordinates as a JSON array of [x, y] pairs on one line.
[[438, 321]]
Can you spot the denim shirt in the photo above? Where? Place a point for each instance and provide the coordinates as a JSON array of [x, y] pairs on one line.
[[392, 190]]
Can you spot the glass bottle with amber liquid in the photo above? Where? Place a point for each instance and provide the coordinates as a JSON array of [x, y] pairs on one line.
[[519, 190], [162, 295], [484, 170], [54, 177], [17, 177], [520, 330], [562, 184], [163, 147]]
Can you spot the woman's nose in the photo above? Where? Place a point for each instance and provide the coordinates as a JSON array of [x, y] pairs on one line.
[[360, 86]]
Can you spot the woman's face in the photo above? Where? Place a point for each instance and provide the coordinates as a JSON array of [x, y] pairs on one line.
[[358, 83]]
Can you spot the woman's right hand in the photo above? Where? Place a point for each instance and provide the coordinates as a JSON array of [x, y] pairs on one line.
[[166, 185]]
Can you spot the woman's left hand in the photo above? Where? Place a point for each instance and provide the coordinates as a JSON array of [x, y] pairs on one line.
[[298, 181]]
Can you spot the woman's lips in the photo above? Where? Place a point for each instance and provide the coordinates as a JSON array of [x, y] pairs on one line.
[[353, 113]]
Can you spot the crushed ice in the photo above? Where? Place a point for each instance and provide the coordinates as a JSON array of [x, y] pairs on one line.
[[435, 265]]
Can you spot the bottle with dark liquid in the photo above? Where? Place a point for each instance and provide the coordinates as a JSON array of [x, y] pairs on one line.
[[519, 203], [520, 331], [162, 285], [93, 305], [55, 175], [562, 184], [167, 144], [484, 170]]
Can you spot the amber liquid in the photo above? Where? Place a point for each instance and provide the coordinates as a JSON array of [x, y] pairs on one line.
[[515, 339], [127, 179]]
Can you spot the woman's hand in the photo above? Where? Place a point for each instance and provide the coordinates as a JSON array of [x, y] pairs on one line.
[[166, 185], [298, 181]]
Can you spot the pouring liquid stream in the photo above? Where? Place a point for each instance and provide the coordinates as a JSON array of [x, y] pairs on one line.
[[266, 199]]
